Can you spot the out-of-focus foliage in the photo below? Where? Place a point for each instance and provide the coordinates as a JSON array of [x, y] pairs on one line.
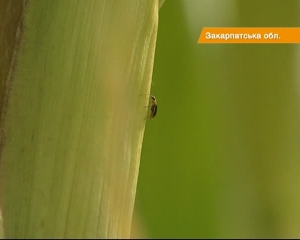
[[221, 158]]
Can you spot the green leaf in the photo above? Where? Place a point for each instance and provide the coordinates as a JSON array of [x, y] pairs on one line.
[[75, 121]]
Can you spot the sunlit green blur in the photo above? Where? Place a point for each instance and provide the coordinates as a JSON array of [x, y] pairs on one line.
[[222, 156]]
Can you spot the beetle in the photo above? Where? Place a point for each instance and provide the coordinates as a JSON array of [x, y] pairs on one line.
[[153, 107]]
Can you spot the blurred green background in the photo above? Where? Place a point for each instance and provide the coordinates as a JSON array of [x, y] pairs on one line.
[[222, 156]]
